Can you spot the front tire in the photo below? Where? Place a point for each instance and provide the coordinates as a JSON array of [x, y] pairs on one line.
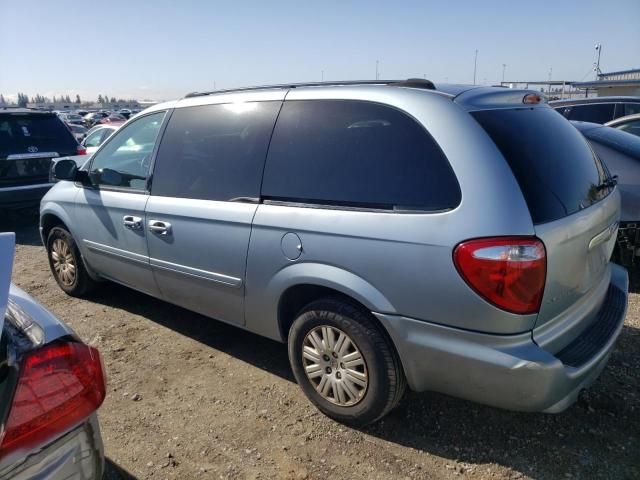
[[343, 362], [66, 264]]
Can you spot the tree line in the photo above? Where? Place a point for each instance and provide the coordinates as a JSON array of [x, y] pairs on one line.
[[23, 99]]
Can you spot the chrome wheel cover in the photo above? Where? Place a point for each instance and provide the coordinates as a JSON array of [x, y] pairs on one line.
[[335, 366], [63, 263]]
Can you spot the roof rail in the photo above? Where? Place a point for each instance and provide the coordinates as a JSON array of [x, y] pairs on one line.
[[411, 82]]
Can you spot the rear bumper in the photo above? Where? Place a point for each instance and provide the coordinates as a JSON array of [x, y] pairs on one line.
[[509, 371], [23, 195], [79, 454]]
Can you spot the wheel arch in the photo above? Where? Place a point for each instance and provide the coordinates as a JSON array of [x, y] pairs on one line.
[[301, 284]]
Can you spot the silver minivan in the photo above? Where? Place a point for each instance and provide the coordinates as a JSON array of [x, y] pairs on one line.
[[452, 239]]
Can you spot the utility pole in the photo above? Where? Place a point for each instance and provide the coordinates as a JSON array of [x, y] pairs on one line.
[[475, 66], [596, 67], [377, 76], [214, 84], [323, 75], [504, 67], [550, 75]]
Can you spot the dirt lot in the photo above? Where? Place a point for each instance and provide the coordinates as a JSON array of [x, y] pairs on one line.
[[190, 397]]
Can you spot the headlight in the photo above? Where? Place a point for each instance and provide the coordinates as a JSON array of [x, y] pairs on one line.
[[25, 323]]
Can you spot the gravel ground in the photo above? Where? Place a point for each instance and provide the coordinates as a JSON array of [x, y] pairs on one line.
[[189, 397]]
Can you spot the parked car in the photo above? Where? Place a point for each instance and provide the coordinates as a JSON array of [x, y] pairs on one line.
[[79, 132], [597, 109], [97, 135], [629, 124], [72, 118], [51, 386], [125, 112], [29, 139], [351, 222], [112, 119], [90, 119], [620, 152]]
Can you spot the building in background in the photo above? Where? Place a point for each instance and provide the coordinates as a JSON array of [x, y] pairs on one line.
[[623, 82]]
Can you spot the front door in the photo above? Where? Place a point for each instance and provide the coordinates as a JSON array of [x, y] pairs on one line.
[[110, 212], [206, 188]]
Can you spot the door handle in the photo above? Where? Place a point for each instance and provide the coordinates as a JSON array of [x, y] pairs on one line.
[[132, 222], [159, 227]]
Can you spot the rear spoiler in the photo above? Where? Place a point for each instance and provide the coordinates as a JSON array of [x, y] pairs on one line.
[[491, 97]]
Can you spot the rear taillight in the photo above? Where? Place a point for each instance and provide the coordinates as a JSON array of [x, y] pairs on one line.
[[59, 386], [81, 150], [509, 272]]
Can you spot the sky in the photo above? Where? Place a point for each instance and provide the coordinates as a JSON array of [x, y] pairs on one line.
[[161, 49]]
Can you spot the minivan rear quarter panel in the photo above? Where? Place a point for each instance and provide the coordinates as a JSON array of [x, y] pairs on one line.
[[406, 258]]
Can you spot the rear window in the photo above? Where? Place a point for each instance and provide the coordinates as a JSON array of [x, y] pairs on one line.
[[356, 154], [34, 133], [557, 171]]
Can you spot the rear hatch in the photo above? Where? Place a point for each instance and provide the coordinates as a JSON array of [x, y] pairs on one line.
[[28, 142], [571, 203]]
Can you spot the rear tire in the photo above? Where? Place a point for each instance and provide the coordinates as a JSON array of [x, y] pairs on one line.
[[344, 363], [66, 263]]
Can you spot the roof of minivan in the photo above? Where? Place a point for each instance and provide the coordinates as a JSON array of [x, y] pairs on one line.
[[22, 110], [474, 96]]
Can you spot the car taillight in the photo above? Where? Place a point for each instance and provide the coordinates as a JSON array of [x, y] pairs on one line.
[[509, 272], [59, 386], [81, 150]]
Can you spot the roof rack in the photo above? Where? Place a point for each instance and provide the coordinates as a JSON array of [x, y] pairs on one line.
[[411, 82]]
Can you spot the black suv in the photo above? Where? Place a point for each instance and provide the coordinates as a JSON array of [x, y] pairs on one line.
[[29, 139], [598, 109]]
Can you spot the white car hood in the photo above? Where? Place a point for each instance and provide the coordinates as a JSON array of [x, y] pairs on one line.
[[7, 246]]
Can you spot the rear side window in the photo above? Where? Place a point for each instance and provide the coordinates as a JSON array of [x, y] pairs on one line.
[[215, 152], [34, 133], [595, 112], [360, 154], [557, 171], [631, 108]]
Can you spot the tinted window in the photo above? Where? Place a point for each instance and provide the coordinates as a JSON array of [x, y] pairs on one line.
[[124, 161], [356, 154], [24, 133], [596, 112], [215, 152], [555, 167], [631, 108]]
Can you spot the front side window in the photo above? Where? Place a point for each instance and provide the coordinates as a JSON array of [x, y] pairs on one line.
[[356, 154], [214, 152], [595, 112], [124, 161]]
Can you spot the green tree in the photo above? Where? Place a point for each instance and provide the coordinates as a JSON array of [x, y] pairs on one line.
[[100, 99], [67, 99], [78, 101], [2, 101], [22, 100]]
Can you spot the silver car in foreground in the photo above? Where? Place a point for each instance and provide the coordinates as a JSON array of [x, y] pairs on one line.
[[51, 385], [453, 239]]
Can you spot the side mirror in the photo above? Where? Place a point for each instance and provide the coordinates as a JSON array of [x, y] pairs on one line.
[[65, 169]]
